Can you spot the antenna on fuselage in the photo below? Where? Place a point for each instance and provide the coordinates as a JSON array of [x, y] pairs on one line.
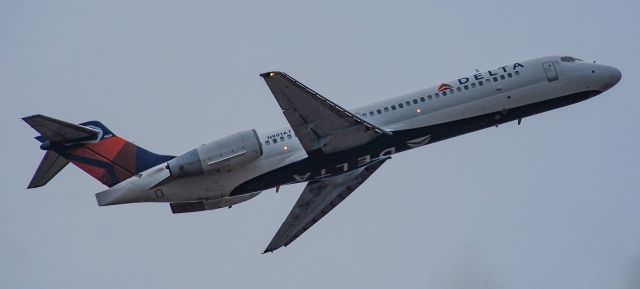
[[477, 70]]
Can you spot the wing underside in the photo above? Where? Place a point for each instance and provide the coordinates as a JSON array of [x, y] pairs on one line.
[[317, 200]]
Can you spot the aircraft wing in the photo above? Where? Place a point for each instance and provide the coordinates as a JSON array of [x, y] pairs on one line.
[[317, 200], [322, 126]]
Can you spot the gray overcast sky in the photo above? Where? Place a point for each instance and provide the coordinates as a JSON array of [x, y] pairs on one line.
[[552, 203]]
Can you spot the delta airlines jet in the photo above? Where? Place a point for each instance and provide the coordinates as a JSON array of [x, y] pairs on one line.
[[332, 149]]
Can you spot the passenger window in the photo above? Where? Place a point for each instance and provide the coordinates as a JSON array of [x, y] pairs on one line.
[[281, 138], [371, 113], [275, 140], [451, 91], [502, 77], [509, 75], [415, 101], [429, 97], [480, 83], [379, 111], [473, 85], [364, 115], [444, 93], [400, 105], [289, 136], [386, 109], [436, 95], [422, 99], [495, 79], [487, 81], [267, 142], [408, 103], [459, 89], [466, 87], [517, 73], [393, 107]]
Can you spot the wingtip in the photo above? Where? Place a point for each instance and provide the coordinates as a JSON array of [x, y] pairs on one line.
[[270, 74], [27, 118], [269, 249], [34, 115], [33, 184]]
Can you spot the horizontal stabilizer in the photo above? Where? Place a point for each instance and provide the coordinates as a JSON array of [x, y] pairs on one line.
[[52, 163], [55, 130]]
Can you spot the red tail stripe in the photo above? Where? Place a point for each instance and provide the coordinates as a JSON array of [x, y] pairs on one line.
[[108, 148], [99, 173]]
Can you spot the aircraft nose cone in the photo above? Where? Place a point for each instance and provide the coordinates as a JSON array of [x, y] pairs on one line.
[[616, 75], [611, 77]]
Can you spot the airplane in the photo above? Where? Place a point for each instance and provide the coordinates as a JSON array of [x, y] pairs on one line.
[[331, 149]]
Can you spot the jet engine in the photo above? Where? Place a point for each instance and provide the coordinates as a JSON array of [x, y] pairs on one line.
[[220, 155]]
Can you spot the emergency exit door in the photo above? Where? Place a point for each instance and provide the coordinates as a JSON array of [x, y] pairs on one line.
[[550, 71]]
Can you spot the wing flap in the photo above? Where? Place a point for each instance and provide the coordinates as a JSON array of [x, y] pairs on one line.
[[317, 200]]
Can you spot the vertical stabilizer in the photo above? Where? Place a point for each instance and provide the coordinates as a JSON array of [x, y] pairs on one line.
[[92, 147]]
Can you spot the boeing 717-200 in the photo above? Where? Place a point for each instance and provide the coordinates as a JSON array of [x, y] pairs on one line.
[[332, 149]]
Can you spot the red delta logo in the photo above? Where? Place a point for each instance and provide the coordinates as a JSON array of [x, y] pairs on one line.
[[443, 87]]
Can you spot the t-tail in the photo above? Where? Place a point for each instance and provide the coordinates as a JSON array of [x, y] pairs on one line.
[[90, 146]]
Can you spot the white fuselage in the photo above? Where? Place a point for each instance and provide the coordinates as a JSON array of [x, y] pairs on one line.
[[518, 85]]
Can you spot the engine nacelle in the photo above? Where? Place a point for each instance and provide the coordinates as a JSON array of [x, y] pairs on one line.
[[226, 153]]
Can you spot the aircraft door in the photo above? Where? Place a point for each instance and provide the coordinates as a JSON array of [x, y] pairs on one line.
[[550, 71]]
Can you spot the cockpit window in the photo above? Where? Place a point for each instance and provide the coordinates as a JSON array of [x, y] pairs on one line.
[[569, 59]]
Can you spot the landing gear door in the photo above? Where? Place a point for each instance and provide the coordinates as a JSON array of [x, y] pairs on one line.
[[550, 71]]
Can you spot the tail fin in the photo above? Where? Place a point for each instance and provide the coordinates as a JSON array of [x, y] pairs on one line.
[[92, 147]]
